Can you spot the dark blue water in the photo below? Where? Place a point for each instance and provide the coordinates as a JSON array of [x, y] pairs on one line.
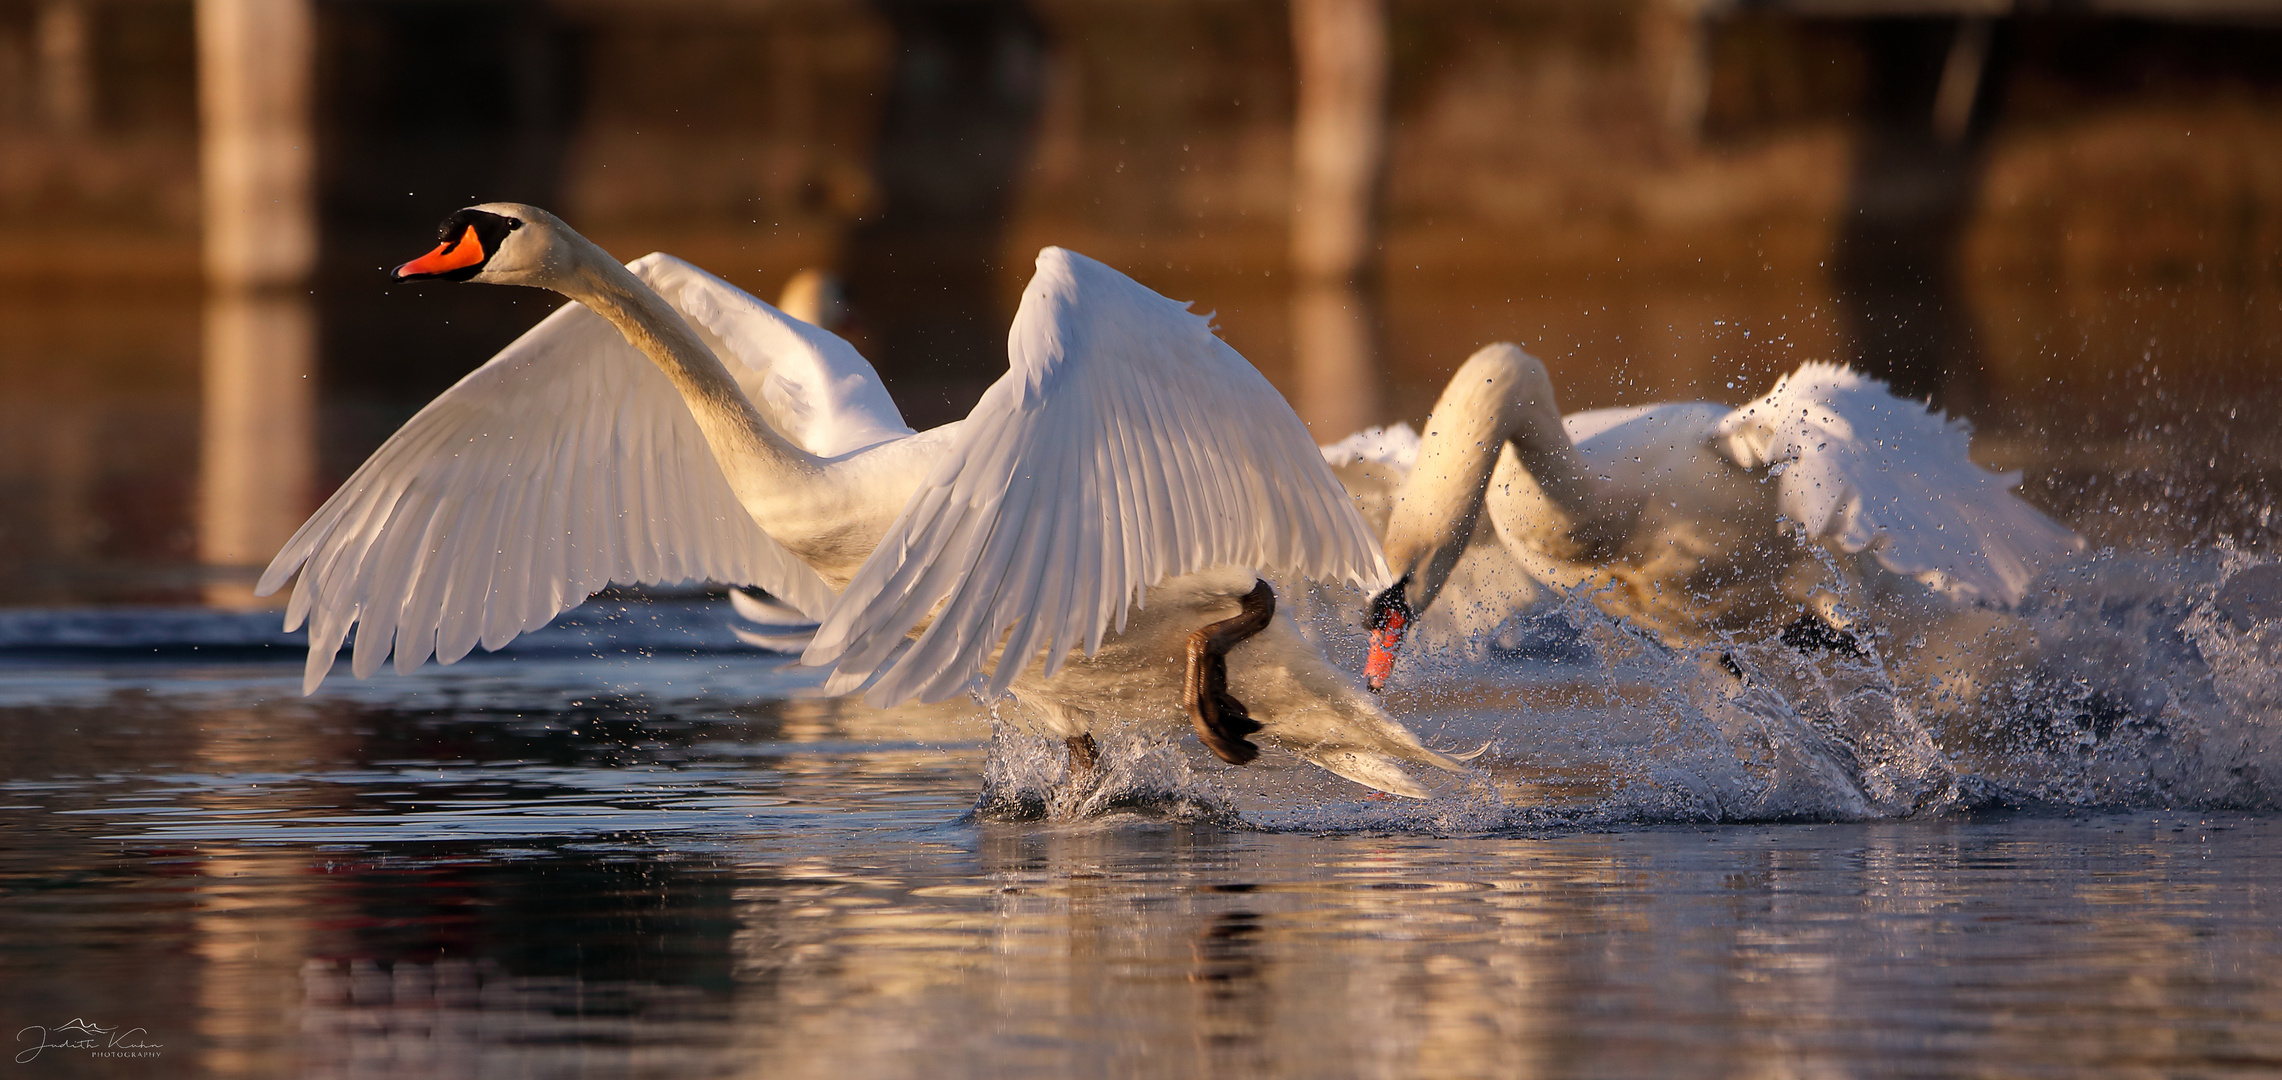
[[630, 850]]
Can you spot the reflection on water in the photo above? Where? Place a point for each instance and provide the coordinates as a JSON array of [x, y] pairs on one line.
[[257, 458], [633, 848], [1339, 139], [663, 867], [257, 447], [2062, 222]]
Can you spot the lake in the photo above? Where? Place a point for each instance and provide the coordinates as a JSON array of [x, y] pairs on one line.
[[624, 848]]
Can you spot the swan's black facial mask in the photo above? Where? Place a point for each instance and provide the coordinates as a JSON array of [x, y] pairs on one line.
[[465, 242]]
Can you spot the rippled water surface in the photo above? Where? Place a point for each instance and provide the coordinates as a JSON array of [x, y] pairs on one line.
[[654, 858]]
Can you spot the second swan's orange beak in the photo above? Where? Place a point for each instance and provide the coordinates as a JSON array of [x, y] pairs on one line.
[[449, 256], [1386, 641], [1390, 617]]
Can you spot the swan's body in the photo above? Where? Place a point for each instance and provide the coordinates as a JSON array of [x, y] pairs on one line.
[[1694, 518], [1128, 451]]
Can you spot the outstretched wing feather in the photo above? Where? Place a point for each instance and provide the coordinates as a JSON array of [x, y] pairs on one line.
[[563, 464], [1126, 444], [1867, 471]]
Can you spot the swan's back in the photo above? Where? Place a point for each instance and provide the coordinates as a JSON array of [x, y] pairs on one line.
[[1661, 459], [1707, 506]]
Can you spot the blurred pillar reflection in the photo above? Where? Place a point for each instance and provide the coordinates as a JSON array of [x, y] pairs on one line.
[[251, 939], [1916, 173], [1676, 41], [252, 904], [257, 427], [962, 106], [256, 154], [1959, 94], [67, 82], [1337, 380], [1339, 50]]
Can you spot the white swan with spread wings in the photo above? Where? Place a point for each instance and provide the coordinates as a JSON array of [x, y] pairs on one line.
[[1088, 540]]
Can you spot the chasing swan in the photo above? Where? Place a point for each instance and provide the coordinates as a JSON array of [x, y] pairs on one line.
[[1691, 518]]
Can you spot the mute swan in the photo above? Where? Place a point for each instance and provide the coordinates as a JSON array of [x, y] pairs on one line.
[[666, 426], [1692, 518]]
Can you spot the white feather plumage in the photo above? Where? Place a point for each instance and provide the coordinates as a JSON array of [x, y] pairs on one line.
[[1127, 453], [563, 464], [1126, 444]]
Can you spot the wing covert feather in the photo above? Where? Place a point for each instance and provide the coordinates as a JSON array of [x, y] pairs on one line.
[[811, 385]]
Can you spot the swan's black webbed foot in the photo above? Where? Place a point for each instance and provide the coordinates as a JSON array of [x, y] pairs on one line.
[[1085, 757], [1810, 633], [1220, 720]]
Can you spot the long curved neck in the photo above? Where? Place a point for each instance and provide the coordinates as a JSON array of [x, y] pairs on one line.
[[759, 462], [1501, 396], [1440, 501], [1533, 427]]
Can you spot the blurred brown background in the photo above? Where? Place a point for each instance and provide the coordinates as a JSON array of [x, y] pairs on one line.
[[2061, 220]]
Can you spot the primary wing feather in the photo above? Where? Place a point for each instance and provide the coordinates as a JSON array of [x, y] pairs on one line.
[[1869, 471], [565, 463], [1126, 444]]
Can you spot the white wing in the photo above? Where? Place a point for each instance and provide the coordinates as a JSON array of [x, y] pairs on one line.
[[1869, 471], [809, 383], [566, 462], [1126, 444]]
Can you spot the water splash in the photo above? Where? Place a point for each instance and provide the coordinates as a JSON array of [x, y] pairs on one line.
[[1028, 777], [2130, 682]]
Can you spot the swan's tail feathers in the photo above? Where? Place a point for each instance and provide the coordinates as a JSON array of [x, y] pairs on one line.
[[1362, 745], [842, 683], [776, 639], [776, 627], [1394, 447], [2015, 543], [765, 609], [1476, 752], [1376, 771]]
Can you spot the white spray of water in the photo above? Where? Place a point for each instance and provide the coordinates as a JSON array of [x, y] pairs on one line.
[[2125, 681], [1028, 777]]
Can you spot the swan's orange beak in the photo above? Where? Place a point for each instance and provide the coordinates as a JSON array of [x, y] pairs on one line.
[[1386, 641], [1390, 617], [449, 256]]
